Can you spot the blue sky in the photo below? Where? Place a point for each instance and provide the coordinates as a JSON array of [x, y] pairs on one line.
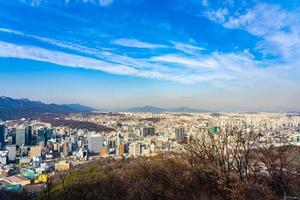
[[218, 55]]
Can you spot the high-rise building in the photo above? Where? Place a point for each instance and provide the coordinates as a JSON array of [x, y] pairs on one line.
[[29, 134], [95, 143], [119, 139], [111, 143], [20, 135], [2, 135], [74, 142], [121, 149], [40, 137], [12, 152], [49, 133], [179, 134], [66, 148], [148, 130], [43, 135], [135, 149]]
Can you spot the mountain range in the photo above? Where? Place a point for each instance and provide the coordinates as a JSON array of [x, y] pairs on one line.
[[153, 109], [23, 108]]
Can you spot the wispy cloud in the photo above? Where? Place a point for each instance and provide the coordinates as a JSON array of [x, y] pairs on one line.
[[36, 3], [105, 2], [187, 48], [226, 63], [190, 65], [138, 44], [70, 60], [54, 42], [279, 28], [186, 61], [11, 31], [60, 58], [263, 19]]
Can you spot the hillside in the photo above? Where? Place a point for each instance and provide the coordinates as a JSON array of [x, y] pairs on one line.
[[23, 108], [165, 177], [200, 172], [56, 121]]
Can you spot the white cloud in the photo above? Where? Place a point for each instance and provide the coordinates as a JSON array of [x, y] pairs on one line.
[[5, 30], [186, 61], [105, 2], [103, 54], [189, 66], [219, 62], [217, 15], [66, 45], [278, 28], [187, 48], [60, 58], [138, 44], [36, 3], [263, 19], [71, 60]]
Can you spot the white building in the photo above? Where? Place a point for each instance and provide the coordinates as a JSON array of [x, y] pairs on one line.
[[95, 143], [12, 152], [134, 149], [3, 157]]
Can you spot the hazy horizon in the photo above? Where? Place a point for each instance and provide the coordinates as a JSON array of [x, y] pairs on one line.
[[118, 54], [280, 108]]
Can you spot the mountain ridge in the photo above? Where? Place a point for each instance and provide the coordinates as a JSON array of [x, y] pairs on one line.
[[154, 109], [11, 108]]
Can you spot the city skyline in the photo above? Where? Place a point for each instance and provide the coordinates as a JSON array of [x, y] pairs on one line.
[[113, 54]]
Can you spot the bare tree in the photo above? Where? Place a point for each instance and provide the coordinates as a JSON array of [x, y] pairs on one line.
[[227, 152], [280, 161]]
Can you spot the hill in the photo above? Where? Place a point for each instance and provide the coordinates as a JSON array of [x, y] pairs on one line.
[[23, 108], [79, 107], [153, 109], [55, 121]]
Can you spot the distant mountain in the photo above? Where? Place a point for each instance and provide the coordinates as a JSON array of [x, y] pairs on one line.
[[79, 107], [187, 110], [153, 109], [19, 108]]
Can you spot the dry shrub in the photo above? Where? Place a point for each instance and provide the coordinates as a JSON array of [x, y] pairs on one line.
[[249, 190]]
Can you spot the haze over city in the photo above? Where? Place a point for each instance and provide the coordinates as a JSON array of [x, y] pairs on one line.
[[116, 54], [149, 99]]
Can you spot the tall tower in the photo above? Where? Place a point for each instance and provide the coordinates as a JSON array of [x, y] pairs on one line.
[[2, 134], [20, 135]]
